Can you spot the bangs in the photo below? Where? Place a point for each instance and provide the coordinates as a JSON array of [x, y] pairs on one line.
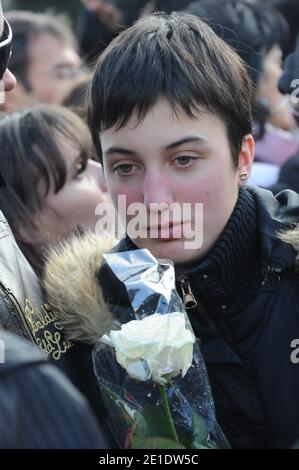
[[177, 58], [32, 157]]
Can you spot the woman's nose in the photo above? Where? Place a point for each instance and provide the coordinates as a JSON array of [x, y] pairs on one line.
[[157, 189]]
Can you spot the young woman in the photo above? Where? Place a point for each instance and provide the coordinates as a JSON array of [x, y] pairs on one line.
[[46, 161], [175, 128]]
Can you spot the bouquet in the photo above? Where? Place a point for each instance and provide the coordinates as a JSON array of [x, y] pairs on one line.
[[149, 368]]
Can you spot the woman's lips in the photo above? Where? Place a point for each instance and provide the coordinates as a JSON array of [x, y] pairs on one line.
[[167, 232]]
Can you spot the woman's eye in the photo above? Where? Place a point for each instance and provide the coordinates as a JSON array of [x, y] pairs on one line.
[[80, 167], [125, 169], [184, 160]]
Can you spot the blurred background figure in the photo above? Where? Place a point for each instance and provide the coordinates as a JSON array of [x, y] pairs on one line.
[[169, 5], [97, 22], [100, 23], [74, 95], [45, 57], [288, 177], [262, 35], [102, 20], [45, 159], [258, 34], [71, 8], [290, 10]]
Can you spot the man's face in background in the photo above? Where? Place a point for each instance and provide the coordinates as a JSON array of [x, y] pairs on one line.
[[53, 64]]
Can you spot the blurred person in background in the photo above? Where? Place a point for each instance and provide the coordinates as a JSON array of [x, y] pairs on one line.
[[102, 20], [290, 10], [44, 58], [100, 23], [288, 177], [74, 96], [68, 8], [258, 34]]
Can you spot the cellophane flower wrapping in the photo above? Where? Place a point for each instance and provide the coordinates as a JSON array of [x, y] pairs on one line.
[[153, 345]]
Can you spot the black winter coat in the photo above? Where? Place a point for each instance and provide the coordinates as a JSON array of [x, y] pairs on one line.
[[243, 303], [39, 408]]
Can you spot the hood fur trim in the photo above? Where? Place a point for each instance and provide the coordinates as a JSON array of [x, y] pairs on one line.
[[72, 287], [292, 237]]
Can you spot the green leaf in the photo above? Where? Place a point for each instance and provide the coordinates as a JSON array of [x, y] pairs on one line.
[[200, 430], [155, 443], [201, 437], [141, 427], [157, 422]]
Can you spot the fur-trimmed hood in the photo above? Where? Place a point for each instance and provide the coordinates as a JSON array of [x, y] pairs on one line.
[[292, 237], [72, 287]]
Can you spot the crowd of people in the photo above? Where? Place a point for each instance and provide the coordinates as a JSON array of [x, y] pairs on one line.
[[161, 102]]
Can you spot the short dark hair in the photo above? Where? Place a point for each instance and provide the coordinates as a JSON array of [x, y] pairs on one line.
[[27, 26], [176, 57]]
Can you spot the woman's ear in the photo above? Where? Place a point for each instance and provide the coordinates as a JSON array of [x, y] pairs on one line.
[[246, 158]]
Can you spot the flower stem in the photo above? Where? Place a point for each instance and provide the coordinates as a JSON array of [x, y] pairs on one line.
[[168, 413]]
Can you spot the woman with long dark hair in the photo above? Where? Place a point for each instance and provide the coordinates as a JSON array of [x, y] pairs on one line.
[[46, 161]]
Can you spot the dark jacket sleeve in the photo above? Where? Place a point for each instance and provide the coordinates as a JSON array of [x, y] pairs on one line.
[[94, 36], [39, 407]]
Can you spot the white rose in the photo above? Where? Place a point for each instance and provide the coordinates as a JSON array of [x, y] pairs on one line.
[[155, 347]]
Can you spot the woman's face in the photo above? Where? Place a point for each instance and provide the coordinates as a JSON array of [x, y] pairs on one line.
[[278, 104], [75, 204], [170, 160]]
